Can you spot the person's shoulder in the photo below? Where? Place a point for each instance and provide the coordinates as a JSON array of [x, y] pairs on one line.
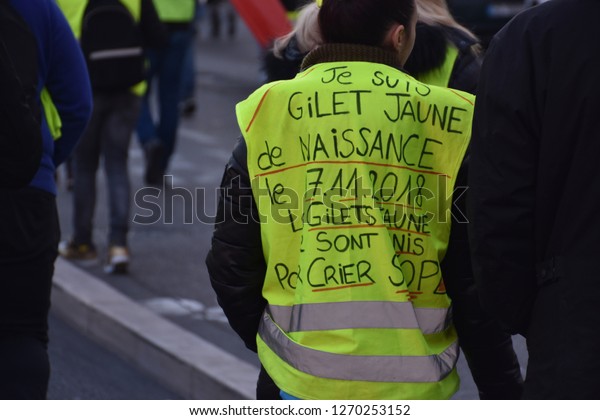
[[448, 96], [39, 8], [274, 87], [40, 15], [550, 25], [540, 19], [461, 99]]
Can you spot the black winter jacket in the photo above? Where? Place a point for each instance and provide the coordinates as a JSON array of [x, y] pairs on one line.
[[534, 200], [237, 268]]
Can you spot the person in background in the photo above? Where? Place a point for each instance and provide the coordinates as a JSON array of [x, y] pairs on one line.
[[331, 321], [446, 53], [157, 134], [188, 85], [29, 230], [219, 10], [116, 110], [533, 202], [284, 60]]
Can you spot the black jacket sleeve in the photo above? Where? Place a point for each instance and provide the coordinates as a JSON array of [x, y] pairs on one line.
[[502, 182], [465, 73], [154, 32], [487, 348], [235, 262]]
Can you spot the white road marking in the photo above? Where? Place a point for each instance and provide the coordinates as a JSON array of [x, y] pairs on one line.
[[185, 307]]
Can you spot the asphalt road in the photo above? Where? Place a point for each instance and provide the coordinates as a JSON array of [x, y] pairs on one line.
[[82, 370]]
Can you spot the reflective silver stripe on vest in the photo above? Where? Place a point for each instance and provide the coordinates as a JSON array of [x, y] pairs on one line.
[[365, 314], [116, 53], [322, 364]]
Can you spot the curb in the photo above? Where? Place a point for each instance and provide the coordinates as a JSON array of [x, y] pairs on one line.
[[190, 366]]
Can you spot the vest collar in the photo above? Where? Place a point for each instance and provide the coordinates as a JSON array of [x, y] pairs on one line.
[[328, 53]]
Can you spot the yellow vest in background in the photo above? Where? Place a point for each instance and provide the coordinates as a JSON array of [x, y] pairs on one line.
[[173, 11], [441, 76], [353, 166], [74, 11]]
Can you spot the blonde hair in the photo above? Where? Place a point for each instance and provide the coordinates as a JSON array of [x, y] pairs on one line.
[[436, 13], [306, 30]]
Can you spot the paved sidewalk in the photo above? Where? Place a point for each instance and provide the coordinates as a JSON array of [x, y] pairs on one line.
[[191, 366]]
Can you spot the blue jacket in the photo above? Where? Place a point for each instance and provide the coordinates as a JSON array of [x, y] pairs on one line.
[[63, 72]]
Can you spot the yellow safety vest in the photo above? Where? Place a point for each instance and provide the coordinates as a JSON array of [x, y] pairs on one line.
[[175, 10], [74, 11], [441, 76], [51, 113], [352, 167]]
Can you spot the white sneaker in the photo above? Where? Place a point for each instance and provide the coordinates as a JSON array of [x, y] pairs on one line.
[[118, 260]]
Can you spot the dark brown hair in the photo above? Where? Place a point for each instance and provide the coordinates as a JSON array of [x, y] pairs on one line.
[[362, 21]]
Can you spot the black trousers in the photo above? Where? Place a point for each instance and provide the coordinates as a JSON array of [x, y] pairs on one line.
[[29, 235], [265, 387]]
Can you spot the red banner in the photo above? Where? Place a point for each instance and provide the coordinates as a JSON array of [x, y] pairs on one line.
[[266, 19]]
